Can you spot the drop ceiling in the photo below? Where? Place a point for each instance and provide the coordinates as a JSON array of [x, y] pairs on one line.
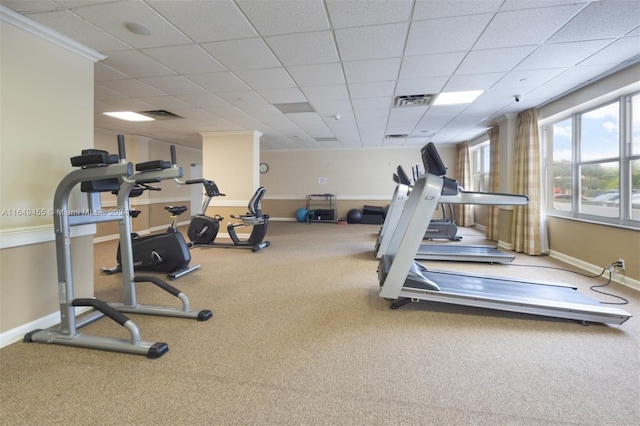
[[230, 65]]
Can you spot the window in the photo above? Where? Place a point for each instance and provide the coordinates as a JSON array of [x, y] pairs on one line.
[[593, 163], [481, 166]]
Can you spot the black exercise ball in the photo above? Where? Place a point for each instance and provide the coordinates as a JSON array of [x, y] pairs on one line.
[[354, 216]]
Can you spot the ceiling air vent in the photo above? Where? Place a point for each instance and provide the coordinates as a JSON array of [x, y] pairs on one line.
[[412, 100], [396, 136], [160, 114], [294, 107]]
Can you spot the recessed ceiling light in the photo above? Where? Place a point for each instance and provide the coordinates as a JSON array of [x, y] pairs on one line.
[[137, 28], [128, 116], [454, 98]]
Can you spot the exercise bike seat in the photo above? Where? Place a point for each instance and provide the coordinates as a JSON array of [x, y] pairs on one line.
[[176, 210]]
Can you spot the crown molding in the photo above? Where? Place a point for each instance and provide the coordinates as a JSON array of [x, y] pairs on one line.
[[46, 33]]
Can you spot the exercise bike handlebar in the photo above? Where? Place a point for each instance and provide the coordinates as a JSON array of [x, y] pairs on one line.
[[174, 158], [121, 152], [210, 187]]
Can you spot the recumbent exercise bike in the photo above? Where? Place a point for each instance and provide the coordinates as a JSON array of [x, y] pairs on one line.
[[203, 229]]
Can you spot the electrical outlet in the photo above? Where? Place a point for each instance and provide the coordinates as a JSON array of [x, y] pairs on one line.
[[622, 265]]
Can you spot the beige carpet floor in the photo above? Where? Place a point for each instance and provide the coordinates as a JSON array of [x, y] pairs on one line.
[[300, 336]]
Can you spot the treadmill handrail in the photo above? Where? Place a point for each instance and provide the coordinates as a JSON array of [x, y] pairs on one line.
[[485, 198]]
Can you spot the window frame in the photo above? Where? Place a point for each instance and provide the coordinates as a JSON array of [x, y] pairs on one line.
[[482, 149], [625, 160]]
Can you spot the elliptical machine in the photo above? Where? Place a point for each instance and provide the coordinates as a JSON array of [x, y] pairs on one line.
[[203, 229], [166, 252]]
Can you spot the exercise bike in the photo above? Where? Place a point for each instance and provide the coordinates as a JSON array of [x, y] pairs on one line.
[[203, 229], [166, 252]]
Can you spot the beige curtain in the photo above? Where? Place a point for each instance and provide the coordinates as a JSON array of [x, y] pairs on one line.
[[464, 212], [494, 182], [525, 225]]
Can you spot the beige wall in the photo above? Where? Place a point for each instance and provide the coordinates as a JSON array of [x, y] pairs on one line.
[[47, 117], [357, 177], [596, 244], [231, 160]]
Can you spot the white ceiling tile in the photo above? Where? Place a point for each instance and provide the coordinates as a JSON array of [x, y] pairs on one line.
[[281, 96], [601, 19], [532, 4], [272, 78], [126, 104], [112, 17], [404, 120], [527, 78], [326, 93], [132, 88], [260, 111], [421, 86], [136, 65], [201, 45], [509, 29], [376, 118], [372, 90], [635, 32], [101, 72], [219, 82], [242, 54], [571, 78], [202, 100], [189, 59], [380, 41], [493, 60], [304, 49], [76, 28], [285, 16], [559, 55], [317, 75], [359, 13], [372, 70], [437, 65], [194, 114], [331, 108], [173, 85], [381, 103], [245, 97], [165, 102], [617, 52], [31, 6], [433, 36], [225, 111], [459, 83], [205, 20], [101, 93], [444, 9]]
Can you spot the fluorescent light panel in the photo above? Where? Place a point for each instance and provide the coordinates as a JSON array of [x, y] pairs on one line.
[[128, 116], [455, 98]]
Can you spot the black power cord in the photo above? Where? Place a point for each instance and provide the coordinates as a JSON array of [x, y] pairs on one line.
[[593, 287]]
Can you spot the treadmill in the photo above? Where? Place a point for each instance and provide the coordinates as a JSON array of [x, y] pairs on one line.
[[447, 252], [403, 280]]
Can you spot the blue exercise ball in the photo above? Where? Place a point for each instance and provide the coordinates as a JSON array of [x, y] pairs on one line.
[[301, 214]]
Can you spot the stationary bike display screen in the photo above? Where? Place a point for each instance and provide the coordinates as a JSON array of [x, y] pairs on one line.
[[431, 159]]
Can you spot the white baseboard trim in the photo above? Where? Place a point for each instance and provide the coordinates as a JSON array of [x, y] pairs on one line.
[[505, 245], [17, 334], [618, 278]]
